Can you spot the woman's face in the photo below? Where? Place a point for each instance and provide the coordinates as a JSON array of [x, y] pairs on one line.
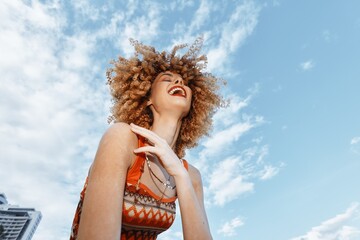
[[170, 93]]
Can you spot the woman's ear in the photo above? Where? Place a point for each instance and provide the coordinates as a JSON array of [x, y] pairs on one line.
[[149, 103]]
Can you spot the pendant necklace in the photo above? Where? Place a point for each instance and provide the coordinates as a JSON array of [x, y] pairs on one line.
[[167, 184]]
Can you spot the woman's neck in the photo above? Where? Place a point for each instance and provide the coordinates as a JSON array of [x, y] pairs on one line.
[[168, 128]]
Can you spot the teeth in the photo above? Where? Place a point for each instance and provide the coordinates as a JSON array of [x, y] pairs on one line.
[[176, 89]]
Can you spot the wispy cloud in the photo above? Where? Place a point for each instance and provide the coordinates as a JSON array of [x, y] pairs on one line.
[[229, 228], [237, 174], [201, 15], [230, 124], [329, 36], [224, 36], [235, 31], [181, 4], [54, 112], [87, 11], [307, 65], [355, 140], [336, 227], [355, 145], [236, 104], [171, 235], [140, 20], [268, 172], [57, 102], [226, 183], [276, 3], [230, 163], [226, 137]]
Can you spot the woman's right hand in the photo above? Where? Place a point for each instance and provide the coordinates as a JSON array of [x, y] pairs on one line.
[[172, 164]]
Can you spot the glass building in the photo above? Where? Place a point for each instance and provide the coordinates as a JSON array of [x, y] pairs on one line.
[[17, 223]]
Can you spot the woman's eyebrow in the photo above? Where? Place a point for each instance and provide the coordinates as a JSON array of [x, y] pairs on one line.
[[168, 74]]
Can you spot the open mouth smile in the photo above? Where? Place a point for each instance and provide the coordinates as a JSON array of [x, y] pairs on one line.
[[177, 91]]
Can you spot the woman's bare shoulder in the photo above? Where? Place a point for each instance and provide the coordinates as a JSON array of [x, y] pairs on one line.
[[120, 133], [195, 176], [117, 144]]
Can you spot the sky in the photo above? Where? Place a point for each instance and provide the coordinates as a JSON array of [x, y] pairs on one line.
[[283, 159]]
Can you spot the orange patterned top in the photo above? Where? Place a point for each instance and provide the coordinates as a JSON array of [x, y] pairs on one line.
[[144, 214]]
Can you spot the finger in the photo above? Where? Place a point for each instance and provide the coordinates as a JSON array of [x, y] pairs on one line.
[[143, 130], [145, 133], [149, 149]]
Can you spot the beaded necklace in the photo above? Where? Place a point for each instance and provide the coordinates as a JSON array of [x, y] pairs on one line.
[[167, 183]]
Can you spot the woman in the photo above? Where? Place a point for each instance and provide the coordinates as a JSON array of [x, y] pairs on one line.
[[163, 104]]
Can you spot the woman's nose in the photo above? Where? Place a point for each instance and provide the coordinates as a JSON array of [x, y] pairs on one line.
[[179, 81]]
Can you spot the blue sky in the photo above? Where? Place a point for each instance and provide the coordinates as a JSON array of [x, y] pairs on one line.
[[283, 159]]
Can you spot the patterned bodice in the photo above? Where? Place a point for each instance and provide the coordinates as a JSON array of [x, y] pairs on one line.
[[144, 214]]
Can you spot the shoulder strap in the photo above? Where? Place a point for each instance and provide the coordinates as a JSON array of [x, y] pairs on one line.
[[136, 170], [186, 164]]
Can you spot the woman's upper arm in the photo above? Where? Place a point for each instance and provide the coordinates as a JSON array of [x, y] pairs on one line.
[[198, 187], [102, 207]]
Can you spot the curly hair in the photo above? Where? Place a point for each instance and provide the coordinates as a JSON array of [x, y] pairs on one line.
[[130, 83]]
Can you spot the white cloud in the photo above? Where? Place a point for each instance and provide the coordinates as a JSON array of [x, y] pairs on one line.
[[201, 15], [235, 31], [257, 140], [229, 228], [326, 34], [181, 4], [143, 27], [226, 183], [226, 137], [223, 116], [52, 111], [278, 88], [231, 168], [171, 235], [336, 227], [276, 3], [86, 10], [54, 107], [268, 172], [230, 124], [236, 175], [222, 37], [139, 20], [355, 145], [355, 140], [329, 36], [307, 65]]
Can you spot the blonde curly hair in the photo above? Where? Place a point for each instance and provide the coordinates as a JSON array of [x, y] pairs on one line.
[[130, 83]]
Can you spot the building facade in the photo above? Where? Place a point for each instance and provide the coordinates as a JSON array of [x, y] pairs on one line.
[[17, 223]]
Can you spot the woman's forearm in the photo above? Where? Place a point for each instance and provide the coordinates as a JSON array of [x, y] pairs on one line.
[[194, 220]]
